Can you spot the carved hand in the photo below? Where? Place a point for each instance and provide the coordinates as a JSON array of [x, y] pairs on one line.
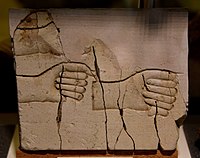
[[160, 89], [72, 80]]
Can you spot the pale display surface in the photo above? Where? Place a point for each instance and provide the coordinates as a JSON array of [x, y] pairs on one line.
[[100, 79]]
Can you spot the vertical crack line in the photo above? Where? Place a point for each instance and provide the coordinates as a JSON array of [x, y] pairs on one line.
[[103, 96], [121, 112], [117, 139], [155, 123], [124, 97], [59, 110], [155, 117]]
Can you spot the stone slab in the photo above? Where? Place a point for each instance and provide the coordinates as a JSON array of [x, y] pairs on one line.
[[100, 79]]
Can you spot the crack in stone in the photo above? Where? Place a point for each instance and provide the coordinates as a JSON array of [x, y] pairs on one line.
[[121, 112], [117, 139], [59, 110], [103, 96], [155, 123], [155, 117]]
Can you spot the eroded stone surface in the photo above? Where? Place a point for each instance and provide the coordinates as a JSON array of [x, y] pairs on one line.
[[105, 80]]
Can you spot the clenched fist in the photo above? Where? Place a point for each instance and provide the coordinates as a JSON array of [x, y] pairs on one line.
[[72, 80], [160, 89]]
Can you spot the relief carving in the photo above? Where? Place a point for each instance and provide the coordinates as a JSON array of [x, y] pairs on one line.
[[45, 74]]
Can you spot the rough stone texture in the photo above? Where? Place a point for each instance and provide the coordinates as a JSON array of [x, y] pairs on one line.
[[100, 79], [140, 154]]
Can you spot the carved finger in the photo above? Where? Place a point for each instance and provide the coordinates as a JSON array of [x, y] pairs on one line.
[[160, 74], [161, 83], [77, 89], [159, 111], [162, 90], [77, 67], [159, 104], [73, 95], [69, 81], [74, 75], [159, 97]]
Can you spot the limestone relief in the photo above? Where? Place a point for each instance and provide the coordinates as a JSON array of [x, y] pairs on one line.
[[95, 99]]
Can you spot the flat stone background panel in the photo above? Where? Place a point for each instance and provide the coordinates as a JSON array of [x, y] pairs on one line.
[[38, 125]]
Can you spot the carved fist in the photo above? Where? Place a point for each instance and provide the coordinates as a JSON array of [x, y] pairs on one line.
[[160, 89], [72, 80]]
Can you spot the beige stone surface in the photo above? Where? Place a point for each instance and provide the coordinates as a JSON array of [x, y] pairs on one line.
[[100, 79]]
